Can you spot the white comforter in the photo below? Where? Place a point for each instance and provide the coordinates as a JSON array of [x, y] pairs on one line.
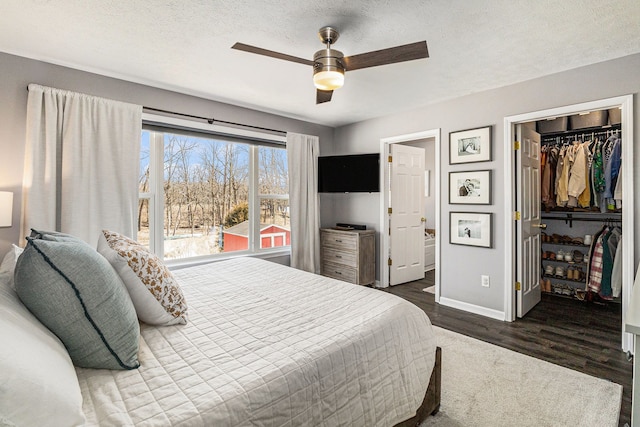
[[270, 345]]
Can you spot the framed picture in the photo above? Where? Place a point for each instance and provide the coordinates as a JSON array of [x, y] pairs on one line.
[[470, 187], [471, 229], [468, 146]]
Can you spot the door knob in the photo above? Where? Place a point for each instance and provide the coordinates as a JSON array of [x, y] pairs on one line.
[[543, 226], [423, 219]]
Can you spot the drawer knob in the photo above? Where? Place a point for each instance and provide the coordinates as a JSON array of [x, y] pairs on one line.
[[337, 272], [338, 240], [338, 256]]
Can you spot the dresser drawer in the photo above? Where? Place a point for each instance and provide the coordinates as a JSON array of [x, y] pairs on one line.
[[342, 241], [340, 272], [340, 257]]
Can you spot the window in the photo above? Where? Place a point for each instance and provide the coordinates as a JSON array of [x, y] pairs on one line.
[[205, 195]]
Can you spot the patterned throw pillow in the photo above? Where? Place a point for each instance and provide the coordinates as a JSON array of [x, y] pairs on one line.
[[154, 291]]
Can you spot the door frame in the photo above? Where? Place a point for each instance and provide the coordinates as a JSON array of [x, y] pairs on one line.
[[625, 102], [384, 200]]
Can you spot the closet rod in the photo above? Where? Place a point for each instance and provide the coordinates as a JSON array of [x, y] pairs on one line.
[[599, 130], [608, 219], [212, 121], [569, 218]]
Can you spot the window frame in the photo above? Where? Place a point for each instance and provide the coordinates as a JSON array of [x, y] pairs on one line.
[[157, 123]]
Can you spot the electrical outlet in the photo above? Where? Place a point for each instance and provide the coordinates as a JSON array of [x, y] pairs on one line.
[[484, 280]]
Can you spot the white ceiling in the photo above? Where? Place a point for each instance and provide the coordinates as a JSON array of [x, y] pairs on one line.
[[185, 45]]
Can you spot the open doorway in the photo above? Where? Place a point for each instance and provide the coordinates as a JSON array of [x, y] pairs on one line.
[[430, 141], [516, 271]]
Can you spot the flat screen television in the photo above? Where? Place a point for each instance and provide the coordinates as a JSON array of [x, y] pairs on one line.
[[357, 173]]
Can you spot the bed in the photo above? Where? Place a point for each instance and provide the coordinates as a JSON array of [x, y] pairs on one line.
[[271, 345], [266, 344]]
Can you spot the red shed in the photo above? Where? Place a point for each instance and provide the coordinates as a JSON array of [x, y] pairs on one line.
[[236, 238]]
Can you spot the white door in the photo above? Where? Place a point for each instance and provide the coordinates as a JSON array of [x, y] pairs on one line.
[[406, 245], [528, 227]]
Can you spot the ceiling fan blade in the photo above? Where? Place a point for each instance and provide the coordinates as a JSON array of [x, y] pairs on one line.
[[272, 54], [323, 96], [407, 52]]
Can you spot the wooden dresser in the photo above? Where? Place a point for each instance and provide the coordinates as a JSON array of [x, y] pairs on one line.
[[349, 255]]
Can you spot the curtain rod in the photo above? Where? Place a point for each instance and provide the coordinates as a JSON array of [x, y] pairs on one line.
[[213, 121], [210, 120]]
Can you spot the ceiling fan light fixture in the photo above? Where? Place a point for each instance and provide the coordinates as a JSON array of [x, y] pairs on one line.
[[328, 80], [328, 70]]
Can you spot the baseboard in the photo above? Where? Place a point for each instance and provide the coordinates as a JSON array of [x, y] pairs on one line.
[[471, 308]]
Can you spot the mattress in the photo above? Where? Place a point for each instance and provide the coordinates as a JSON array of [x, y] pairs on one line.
[[270, 345]]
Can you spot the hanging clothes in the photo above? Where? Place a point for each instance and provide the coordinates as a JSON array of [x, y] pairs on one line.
[[605, 263], [577, 174], [616, 273], [562, 177]]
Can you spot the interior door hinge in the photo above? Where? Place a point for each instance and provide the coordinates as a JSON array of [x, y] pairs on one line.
[[518, 287], [389, 262], [390, 211], [390, 159], [516, 145], [516, 215]]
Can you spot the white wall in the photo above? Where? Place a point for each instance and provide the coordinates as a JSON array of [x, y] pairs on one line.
[[18, 72], [461, 266]]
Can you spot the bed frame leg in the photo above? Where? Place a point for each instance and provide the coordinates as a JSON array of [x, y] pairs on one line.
[[431, 403]]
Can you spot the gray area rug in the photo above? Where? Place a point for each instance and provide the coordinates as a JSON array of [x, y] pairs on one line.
[[486, 385]]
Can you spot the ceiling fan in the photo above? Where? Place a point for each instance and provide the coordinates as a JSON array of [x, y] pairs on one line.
[[329, 65]]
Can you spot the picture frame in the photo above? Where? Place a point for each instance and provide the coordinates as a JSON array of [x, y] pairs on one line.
[[470, 187], [470, 145], [471, 229]]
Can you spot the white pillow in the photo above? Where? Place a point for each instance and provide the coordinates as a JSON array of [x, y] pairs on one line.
[[155, 293], [8, 265], [38, 383]]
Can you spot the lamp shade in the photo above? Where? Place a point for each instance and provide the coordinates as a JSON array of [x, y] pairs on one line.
[[6, 208]]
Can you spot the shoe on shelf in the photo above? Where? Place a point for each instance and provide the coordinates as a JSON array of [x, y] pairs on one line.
[[547, 285], [548, 270], [578, 256], [560, 273]]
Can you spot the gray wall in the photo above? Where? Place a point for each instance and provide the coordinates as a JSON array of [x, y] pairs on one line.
[[599, 81], [18, 72]]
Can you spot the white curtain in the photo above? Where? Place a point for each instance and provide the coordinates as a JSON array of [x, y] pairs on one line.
[[82, 158], [302, 157]]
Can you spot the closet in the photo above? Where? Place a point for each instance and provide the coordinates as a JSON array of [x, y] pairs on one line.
[[581, 202]]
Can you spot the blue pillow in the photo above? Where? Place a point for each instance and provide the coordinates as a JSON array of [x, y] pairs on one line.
[[74, 292]]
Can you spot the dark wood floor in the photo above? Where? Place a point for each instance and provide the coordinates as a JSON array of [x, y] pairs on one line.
[[569, 333]]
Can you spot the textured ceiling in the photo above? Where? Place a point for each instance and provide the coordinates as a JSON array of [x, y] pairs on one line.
[[184, 45]]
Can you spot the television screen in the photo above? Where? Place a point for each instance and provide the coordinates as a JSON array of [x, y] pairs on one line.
[[359, 173]]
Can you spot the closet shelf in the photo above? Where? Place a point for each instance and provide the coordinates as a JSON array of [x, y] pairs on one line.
[[569, 217], [577, 264]]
